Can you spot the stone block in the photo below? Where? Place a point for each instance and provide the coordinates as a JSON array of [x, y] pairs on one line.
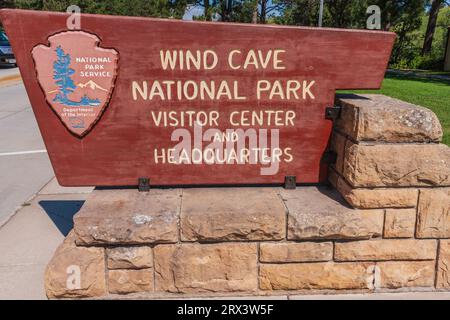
[[129, 257], [400, 223], [333, 177], [296, 252], [229, 214], [321, 213], [130, 281], [443, 269], [434, 213], [338, 143], [378, 198], [76, 272], [328, 275], [373, 117], [122, 217], [197, 268], [397, 165], [386, 249], [404, 274]]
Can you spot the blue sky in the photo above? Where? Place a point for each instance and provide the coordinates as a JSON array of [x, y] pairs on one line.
[[191, 11], [195, 10]]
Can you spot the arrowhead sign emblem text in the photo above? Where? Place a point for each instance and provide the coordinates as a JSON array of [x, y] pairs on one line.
[[77, 77]]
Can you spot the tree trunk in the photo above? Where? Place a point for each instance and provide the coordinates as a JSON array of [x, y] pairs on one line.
[[207, 13], [263, 11], [431, 28], [226, 6], [255, 13]]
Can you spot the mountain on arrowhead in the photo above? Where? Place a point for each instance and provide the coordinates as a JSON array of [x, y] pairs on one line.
[[91, 85]]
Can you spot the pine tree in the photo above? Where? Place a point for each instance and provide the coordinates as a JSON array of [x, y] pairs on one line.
[[62, 74]]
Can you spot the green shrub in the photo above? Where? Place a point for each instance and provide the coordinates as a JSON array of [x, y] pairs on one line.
[[431, 61]]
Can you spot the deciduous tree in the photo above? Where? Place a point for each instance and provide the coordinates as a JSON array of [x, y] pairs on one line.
[[431, 28]]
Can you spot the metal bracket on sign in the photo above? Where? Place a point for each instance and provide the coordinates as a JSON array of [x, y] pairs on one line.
[[332, 113], [144, 184], [290, 182]]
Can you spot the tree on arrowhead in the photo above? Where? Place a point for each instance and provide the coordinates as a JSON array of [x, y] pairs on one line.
[[62, 74]]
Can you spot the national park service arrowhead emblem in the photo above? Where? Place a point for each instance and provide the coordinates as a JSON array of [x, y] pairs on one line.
[[77, 77]]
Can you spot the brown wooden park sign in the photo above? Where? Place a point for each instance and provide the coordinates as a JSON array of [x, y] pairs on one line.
[[187, 102]]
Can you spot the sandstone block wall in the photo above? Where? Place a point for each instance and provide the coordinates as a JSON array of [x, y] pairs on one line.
[[385, 225], [390, 157]]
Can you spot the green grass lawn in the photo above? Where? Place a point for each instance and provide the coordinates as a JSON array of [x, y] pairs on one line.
[[430, 93]]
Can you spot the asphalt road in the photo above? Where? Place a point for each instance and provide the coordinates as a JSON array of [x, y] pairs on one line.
[[24, 164]]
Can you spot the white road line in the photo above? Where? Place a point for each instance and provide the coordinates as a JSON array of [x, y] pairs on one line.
[[21, 153]]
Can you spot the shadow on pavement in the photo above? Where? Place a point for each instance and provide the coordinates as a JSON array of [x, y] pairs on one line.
[[61, 212]]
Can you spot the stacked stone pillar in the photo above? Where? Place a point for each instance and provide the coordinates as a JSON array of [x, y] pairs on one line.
[[390, 157], [384, 226]]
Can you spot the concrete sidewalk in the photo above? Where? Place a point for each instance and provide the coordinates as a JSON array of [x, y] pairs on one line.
[[29, 239], [24, 164]]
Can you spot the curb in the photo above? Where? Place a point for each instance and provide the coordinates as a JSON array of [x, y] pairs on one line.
[[10, 79]]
